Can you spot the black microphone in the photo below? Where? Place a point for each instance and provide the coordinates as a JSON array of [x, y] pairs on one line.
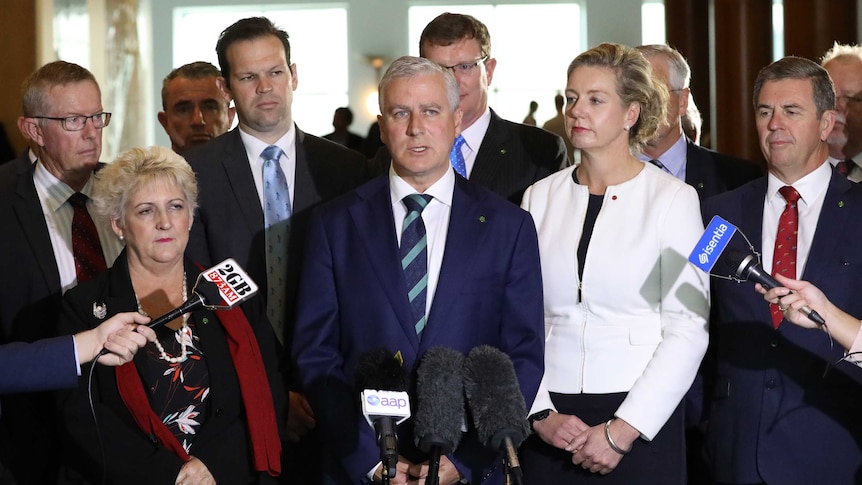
[[383, 383], [221, 287], [745, 266], [439, 418], [496, 403]]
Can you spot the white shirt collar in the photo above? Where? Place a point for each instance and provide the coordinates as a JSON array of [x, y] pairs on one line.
[[475, 133], [441, 190], [254, 147], [810, 187]]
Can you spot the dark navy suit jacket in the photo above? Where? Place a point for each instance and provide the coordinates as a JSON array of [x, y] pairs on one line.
[[712, 173], [775, 417], [353, 300], [40, 366]]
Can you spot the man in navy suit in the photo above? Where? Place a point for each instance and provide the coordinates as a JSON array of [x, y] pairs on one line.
[[483, 279], [777, 415], [709, 172], [55, 363], [500, 155]]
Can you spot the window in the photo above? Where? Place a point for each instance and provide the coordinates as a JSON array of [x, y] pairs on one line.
[[320, 54], [652, 23], [533, 45]]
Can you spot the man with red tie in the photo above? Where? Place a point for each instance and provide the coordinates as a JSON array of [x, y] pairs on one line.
[[776, 417]]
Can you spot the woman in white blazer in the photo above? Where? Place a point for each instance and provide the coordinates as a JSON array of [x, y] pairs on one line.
[[625, 313]]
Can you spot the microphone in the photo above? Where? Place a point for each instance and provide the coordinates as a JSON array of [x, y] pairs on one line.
[[439, 419], [221, 287], [746, 267], [740, 264], [385, 403], [497, 405]]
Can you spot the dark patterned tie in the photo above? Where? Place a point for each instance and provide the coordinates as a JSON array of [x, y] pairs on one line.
[[414, 257], [456, 157], [660, 165], [276, 216], [86, 248], [784, 256], [844, 167]]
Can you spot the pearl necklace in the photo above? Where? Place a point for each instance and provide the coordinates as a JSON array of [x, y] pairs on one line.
[[185, 333]]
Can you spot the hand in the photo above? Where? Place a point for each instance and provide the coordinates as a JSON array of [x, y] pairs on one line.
[[194, 472], [592, 451], [300, 417], [122, 335], [558, 429], [402, 473], [446, 475], [790, 302]]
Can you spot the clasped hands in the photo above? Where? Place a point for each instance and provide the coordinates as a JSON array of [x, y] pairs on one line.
[[587, 444], [407, 473]]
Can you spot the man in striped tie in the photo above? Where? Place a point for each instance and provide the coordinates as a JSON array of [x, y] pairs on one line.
[[416, 258]]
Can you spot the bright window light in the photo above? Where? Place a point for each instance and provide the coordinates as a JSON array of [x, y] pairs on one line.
[[652, 23]]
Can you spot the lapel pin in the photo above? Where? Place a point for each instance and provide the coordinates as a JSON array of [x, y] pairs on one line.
[[840, 203], [205, 321], [481, 218], [399, 357], [100, 311], [502, 151], [700, 185]]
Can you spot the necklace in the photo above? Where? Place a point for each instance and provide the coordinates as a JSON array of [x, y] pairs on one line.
[[184, 331]]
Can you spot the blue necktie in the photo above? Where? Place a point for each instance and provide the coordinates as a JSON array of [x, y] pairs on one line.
[[456, 157], [414, 256], [660, 165], [276, 217]]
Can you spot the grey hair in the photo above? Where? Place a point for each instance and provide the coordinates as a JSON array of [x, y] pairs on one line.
[[841, 50], [408, 67], [678, 70]]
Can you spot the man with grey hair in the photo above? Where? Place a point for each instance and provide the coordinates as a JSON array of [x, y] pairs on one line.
[[194, 110], [844, 64], [709, 172], [475, 280], [783, 401]]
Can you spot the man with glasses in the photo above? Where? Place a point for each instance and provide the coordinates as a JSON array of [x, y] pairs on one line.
[[50, 242], [844, 65], [501, 155], [710, 173]]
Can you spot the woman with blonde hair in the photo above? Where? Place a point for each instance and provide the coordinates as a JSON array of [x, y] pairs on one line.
[[203, 404], [625, 313]]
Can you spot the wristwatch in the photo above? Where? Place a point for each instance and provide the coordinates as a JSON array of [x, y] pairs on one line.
[[538, 416]]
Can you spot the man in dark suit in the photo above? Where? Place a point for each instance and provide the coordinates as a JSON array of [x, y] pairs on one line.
[[500, 155], [777, 415], [63, 119], [55, 363], [709, 172], [480, 281], [254, 57], [843, 62]]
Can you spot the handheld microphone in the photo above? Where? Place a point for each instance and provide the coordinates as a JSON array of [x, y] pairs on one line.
[[385, 403], [221, 287], [498, 407], [746, 267], [740, 264], [439, 419]]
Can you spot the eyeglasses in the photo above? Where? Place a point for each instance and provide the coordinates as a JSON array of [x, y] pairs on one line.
[[78, 122], [466, 67]]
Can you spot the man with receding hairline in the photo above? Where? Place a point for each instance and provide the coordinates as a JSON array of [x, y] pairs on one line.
[[844, 64]]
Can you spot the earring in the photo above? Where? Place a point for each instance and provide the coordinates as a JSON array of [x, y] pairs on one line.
[[626, 127], [121, 237]]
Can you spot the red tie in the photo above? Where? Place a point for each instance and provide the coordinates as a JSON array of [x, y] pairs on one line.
[[86, 248], [844, 167], [784, 256]]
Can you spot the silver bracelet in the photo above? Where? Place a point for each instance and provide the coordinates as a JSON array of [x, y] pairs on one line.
[[611, 440]]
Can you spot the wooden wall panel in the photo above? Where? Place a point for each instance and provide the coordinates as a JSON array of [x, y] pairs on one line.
[[18, 36]]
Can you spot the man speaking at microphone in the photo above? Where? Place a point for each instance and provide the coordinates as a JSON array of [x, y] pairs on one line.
[[776, 418], [414, 259]]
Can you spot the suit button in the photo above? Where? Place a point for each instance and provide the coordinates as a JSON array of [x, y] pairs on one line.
[[773, 343], [770, 384]]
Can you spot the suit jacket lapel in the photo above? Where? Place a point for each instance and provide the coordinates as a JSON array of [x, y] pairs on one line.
[[834, 217], [486, 167], [694, 165], [305, 192], [29, 211], [239, 176], [371, 215], [464, 237]]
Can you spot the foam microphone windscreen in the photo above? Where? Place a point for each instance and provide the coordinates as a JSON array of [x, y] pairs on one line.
[[494, 397], [439, 413], [379, 369]]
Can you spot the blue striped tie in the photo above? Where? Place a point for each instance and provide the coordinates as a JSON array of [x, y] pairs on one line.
[[276, 216], [456, 157], [414, 257]]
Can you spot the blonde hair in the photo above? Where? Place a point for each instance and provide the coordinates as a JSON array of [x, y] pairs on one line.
[[117, 181], [635, 85]]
